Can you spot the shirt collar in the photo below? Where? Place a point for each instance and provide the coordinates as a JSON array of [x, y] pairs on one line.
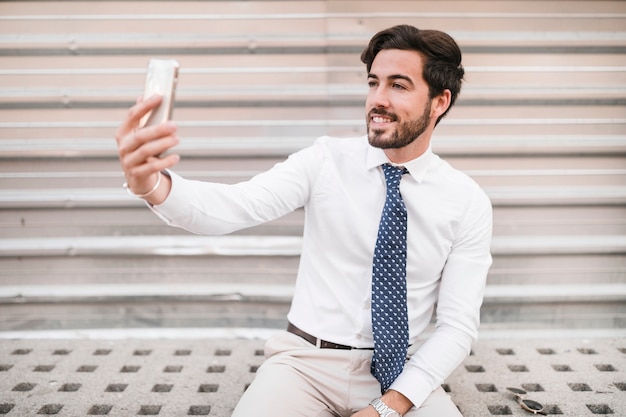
[[417, 167]]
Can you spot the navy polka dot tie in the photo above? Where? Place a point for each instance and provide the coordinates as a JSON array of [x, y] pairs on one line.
[[389, 310]]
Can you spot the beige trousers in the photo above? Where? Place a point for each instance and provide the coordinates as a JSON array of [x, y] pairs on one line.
[[299, 380]]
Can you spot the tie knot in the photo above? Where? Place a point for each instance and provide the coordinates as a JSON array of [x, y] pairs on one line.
[[393, 175]]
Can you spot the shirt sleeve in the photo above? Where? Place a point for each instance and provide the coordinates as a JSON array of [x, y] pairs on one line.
[[461, 293], [216, 209]]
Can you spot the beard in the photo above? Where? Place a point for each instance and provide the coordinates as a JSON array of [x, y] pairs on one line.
[[405, 132]]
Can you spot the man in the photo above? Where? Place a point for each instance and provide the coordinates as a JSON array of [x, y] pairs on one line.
[[367, 283]]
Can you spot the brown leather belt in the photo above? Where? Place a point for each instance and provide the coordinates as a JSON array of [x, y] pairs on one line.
[[322, 344]]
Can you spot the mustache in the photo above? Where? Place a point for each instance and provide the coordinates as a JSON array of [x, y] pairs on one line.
[[383, 113]]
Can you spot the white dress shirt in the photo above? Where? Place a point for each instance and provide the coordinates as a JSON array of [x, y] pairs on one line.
[[341, 186]]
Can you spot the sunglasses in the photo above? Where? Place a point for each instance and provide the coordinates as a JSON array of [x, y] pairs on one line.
[[528, 405]]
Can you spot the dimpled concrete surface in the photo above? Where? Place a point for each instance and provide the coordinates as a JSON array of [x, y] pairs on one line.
[[570, 377], [177, 377]]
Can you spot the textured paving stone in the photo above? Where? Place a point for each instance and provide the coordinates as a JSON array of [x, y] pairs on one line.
[[570, 377], [169, 377]]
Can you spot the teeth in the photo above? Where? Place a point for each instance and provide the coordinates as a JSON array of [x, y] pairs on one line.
[[380, 119]]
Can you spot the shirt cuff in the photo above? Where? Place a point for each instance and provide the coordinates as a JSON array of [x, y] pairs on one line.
[[415, 389], [170, 208]]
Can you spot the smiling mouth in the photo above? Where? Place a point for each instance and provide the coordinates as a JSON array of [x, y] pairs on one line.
[[380, 119]]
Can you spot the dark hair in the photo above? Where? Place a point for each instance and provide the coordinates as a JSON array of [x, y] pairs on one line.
[[441, 54]]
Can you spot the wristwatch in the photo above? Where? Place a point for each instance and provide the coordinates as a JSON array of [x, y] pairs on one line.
[[383, 409]]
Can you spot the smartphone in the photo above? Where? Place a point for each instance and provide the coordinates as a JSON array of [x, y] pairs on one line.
[[161, 79]]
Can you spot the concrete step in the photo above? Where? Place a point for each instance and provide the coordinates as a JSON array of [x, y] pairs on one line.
[[486, 176], [246, 259], [134, 219], [555, 269], [44, 307], [500, 196], [314, 70], [115, 221], [294, 113], [304, 86], [67, 143], [244, 162], [109, 293], [233, 245], [463, 122]]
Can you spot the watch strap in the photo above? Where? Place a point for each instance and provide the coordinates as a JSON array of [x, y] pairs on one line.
[[383, 409]]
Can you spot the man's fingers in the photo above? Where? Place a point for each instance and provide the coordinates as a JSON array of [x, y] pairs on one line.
[[141, 176], [134, 115], [151, 166], [148, 140], [152, 133], [138, 152], [142, 107]]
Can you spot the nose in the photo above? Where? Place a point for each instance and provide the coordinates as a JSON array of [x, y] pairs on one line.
[[377, 98]]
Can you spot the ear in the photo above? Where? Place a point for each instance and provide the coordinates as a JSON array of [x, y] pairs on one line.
[[441, 103]]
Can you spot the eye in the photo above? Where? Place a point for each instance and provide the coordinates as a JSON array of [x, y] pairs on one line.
[[398, 86], [372, 83]]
